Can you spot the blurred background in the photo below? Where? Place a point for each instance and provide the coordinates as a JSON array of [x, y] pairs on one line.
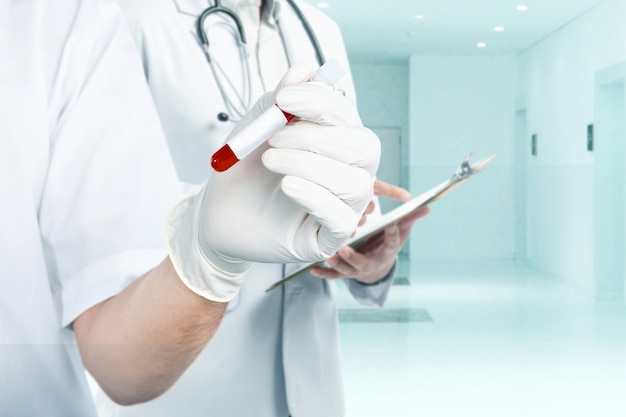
[[510, 297]]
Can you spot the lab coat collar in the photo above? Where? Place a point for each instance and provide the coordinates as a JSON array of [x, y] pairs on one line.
[[271, 11], [195, 7]]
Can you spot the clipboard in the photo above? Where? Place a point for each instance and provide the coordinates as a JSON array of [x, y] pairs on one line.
[[372, 228]]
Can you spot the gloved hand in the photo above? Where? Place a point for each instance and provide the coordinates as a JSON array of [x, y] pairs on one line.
[[297, 198]]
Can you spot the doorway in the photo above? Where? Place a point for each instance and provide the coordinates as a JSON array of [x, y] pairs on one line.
[[610, 192]]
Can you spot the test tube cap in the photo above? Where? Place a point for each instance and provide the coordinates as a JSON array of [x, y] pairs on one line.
[[329, 73]]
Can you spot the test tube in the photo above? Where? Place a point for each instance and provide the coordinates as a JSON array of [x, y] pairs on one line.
[[267, 124]]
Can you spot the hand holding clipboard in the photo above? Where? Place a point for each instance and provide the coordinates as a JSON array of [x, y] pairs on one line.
[[371, 228]]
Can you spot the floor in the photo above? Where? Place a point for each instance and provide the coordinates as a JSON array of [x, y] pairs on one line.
[[491, 339]]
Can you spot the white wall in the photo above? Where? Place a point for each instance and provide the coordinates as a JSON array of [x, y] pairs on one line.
[[461, 104], [557, 85], [383, 100]]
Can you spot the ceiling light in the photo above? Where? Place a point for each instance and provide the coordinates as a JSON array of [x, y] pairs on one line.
[[522, 8], [481, 44], [499, 28], [419, 16], [323, 5]]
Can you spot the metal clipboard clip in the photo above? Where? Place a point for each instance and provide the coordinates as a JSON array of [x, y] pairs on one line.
[[461, 174]]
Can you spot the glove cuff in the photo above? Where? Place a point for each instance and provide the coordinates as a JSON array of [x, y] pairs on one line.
[[199, 270]]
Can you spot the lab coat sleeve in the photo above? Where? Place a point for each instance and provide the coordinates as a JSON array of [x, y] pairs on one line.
[[373, 295], [110, 183]]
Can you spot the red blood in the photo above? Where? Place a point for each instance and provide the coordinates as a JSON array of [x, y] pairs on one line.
[[223, 159]]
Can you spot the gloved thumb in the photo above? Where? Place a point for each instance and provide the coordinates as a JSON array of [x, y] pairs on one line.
[[295, 75]]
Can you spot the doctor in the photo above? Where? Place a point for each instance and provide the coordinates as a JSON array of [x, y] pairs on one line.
[[87, 185], [282, 347]]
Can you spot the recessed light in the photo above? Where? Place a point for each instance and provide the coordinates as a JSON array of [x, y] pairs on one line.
[[481, 44], [419, 16], [323, 5], [499, 28], [522, 8]]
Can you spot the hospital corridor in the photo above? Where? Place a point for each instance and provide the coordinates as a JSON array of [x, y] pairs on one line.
[[510, 297]]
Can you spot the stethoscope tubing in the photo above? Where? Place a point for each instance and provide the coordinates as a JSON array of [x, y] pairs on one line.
[[204, 43]]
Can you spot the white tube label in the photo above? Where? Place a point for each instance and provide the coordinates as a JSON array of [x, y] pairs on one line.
[[258, 131]]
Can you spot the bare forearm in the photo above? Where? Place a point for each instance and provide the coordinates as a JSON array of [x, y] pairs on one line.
[[138, 343]]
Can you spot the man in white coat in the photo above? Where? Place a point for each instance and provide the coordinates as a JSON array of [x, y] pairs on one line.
[[87, 277], [276, 354]]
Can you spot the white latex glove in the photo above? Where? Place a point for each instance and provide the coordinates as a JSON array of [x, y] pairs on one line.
[[298, 201]]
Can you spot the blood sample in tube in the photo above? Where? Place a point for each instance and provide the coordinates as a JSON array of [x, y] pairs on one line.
[[266, 125], [223, 159]]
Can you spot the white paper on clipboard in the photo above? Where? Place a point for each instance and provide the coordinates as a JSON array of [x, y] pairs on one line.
[[371, 228]]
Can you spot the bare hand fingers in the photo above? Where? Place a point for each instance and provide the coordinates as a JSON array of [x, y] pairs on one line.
[[384, 189]]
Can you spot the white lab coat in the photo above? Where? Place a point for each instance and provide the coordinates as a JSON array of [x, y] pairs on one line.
[[275, 354], [86, 187]]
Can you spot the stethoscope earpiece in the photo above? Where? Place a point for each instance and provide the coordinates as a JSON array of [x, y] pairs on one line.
[[222, 117]]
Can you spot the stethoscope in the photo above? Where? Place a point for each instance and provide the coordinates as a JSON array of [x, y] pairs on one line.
[[239, 107]]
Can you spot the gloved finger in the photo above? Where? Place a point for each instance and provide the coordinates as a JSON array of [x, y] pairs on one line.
[[338, 220], [353, 185], [295, 75], [354, 146], [319, 103]]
